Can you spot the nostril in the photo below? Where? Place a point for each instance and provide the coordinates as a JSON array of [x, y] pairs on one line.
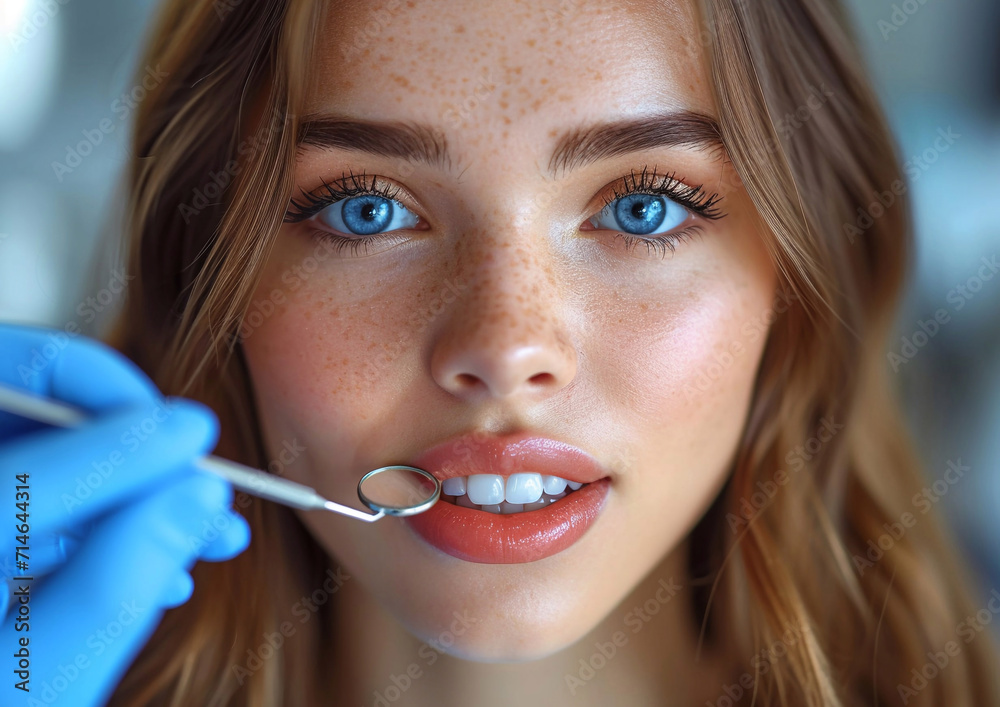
[[542, 379]]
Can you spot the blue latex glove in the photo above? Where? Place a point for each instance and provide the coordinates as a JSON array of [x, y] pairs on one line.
[[117, 512]]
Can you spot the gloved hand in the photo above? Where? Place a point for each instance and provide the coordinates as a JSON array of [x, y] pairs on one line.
[[114, 511]]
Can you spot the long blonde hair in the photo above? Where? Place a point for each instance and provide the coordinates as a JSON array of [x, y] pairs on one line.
[[786, 546]]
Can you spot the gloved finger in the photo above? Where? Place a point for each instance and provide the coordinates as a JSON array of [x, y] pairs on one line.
[[73, 475], [223, 537], [47, 552], [101, 608], [177, 590], [77, 370]]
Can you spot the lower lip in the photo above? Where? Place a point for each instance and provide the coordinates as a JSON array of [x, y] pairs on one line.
[[479, 536]]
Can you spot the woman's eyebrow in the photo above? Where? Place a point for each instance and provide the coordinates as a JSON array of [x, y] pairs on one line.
[[574, 148]]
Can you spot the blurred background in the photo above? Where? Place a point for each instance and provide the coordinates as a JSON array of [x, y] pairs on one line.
[[67, 97]]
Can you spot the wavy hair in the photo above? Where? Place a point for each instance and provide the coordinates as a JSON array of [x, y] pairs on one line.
[[781, 555]]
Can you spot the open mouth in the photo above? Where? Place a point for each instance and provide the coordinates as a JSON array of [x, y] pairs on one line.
[[510, 499], [517, 493]]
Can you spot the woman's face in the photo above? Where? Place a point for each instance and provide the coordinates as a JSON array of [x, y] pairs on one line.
[[497, 296]]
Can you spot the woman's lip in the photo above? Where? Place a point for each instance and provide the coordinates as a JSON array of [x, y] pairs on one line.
[[479, 536], [517, 453]]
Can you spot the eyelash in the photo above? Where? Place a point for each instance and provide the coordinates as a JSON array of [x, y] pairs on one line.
[[692, 198]]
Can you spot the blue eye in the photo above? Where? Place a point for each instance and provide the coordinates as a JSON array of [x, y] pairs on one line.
[[366, 215], [641, 214]]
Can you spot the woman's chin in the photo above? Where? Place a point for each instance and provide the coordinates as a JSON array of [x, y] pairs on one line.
[[496, 638]]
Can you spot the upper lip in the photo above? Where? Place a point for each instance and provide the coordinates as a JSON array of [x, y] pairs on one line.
[[523, 452]]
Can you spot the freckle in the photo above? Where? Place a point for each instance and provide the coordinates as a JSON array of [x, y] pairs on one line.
[[506, 120], [460, 29], [504, 104], [558, 42]]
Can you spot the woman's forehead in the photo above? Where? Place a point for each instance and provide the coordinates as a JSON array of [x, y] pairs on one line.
[[510, 63]]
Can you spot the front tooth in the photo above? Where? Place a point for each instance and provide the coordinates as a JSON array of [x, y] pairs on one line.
[[574, 484], [507, 508], [553, 484], [523, 488], [455, 486], [485, 489]]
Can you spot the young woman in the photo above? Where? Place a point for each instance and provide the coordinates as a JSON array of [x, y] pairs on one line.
[[614, 244]]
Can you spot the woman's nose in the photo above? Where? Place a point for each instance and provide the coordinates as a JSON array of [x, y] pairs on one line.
[[507, 335]]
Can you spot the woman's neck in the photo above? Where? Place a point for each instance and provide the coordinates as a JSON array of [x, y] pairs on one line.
[[643, 650]]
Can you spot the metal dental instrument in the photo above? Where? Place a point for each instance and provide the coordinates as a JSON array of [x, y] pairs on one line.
[[389, 490]]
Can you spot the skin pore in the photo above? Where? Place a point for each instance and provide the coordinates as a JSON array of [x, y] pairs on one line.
[[502, 310]]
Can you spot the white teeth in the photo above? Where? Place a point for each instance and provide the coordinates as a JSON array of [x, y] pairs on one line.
[[486, 489], [523, 488], [455, 486], [527, 491], [553, 484]]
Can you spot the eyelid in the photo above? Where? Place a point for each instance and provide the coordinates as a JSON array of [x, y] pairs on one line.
[[374, 181], [684, 193]]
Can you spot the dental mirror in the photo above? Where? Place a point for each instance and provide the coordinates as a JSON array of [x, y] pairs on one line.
[[399, 490], [389, 490]]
